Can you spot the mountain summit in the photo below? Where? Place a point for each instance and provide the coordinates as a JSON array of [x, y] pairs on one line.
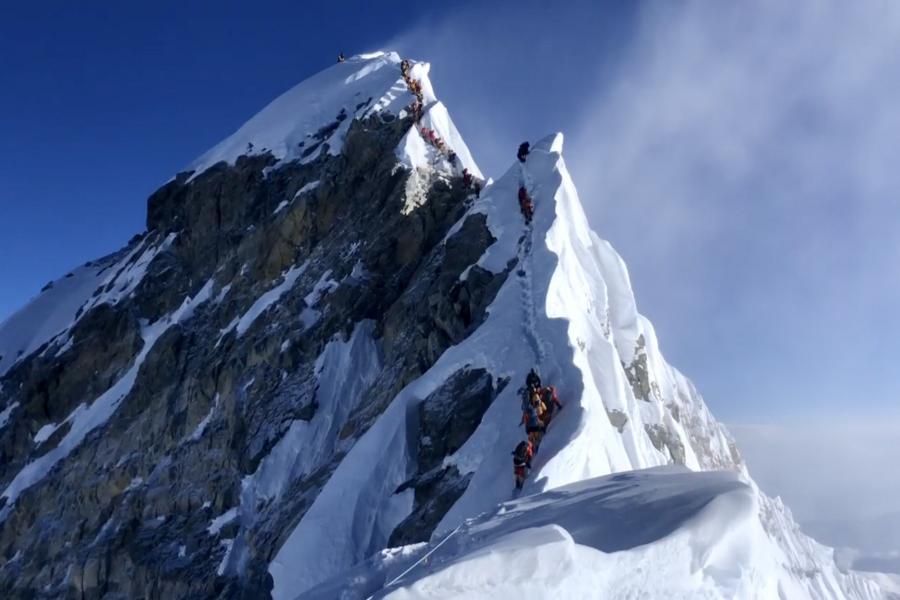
[[303, 381]]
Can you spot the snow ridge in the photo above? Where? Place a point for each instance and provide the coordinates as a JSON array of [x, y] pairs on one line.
[[625, 409]]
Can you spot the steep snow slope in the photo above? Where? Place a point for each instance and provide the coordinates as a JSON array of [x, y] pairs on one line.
[[50, 312], [569, 310]]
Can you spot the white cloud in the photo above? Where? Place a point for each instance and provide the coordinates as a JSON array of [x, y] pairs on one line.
[[742, 159], [839, 478]]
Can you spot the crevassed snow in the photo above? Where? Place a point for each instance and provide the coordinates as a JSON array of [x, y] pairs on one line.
[[299, 113], [87, 417], [267, 299]]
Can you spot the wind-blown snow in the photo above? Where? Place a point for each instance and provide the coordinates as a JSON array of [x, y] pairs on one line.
[[87, 417]]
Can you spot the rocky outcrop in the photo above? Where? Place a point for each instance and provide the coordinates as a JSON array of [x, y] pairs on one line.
[[446, 419], [281, 260]]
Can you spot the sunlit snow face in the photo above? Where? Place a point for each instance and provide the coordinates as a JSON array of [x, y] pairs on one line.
[[740, 158]]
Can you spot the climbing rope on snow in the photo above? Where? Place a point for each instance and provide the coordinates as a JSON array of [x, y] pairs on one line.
[[421, 560]]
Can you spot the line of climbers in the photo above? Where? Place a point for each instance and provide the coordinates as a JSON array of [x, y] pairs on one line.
[[526, 204], [416, 109], [430, 135], [539, 406]]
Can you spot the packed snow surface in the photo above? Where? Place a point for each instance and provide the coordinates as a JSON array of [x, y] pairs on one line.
[[665, 532]]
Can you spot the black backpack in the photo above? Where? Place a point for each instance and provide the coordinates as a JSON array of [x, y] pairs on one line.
[[520, 455]]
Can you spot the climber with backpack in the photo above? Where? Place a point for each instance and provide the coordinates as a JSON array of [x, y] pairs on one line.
[[532, 418], [341, 58], [522, 456], [551, 401], [524, 148], [525, 204], [533, 380]]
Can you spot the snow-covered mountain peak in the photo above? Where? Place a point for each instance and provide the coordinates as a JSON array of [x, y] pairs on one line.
[[311, 362], [315, 115]]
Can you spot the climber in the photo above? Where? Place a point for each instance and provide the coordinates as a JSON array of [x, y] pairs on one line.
[[533, 379], [451, 156], [522, 456], [341, 58], [525, 395], [551, 401], [415, 110], [525, 205], [523, 151], [532, 417], [404, 67], [467, 178]]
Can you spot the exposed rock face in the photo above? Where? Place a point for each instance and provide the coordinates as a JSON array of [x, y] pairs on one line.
[[446, 419], [275, 264]]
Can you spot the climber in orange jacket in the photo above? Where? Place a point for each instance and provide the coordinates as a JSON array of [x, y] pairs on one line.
[[551, 401]]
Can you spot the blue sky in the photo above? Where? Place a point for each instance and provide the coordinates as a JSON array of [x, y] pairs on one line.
[[741, 158]]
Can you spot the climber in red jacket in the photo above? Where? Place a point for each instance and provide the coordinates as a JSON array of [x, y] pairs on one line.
[[526, 205]]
